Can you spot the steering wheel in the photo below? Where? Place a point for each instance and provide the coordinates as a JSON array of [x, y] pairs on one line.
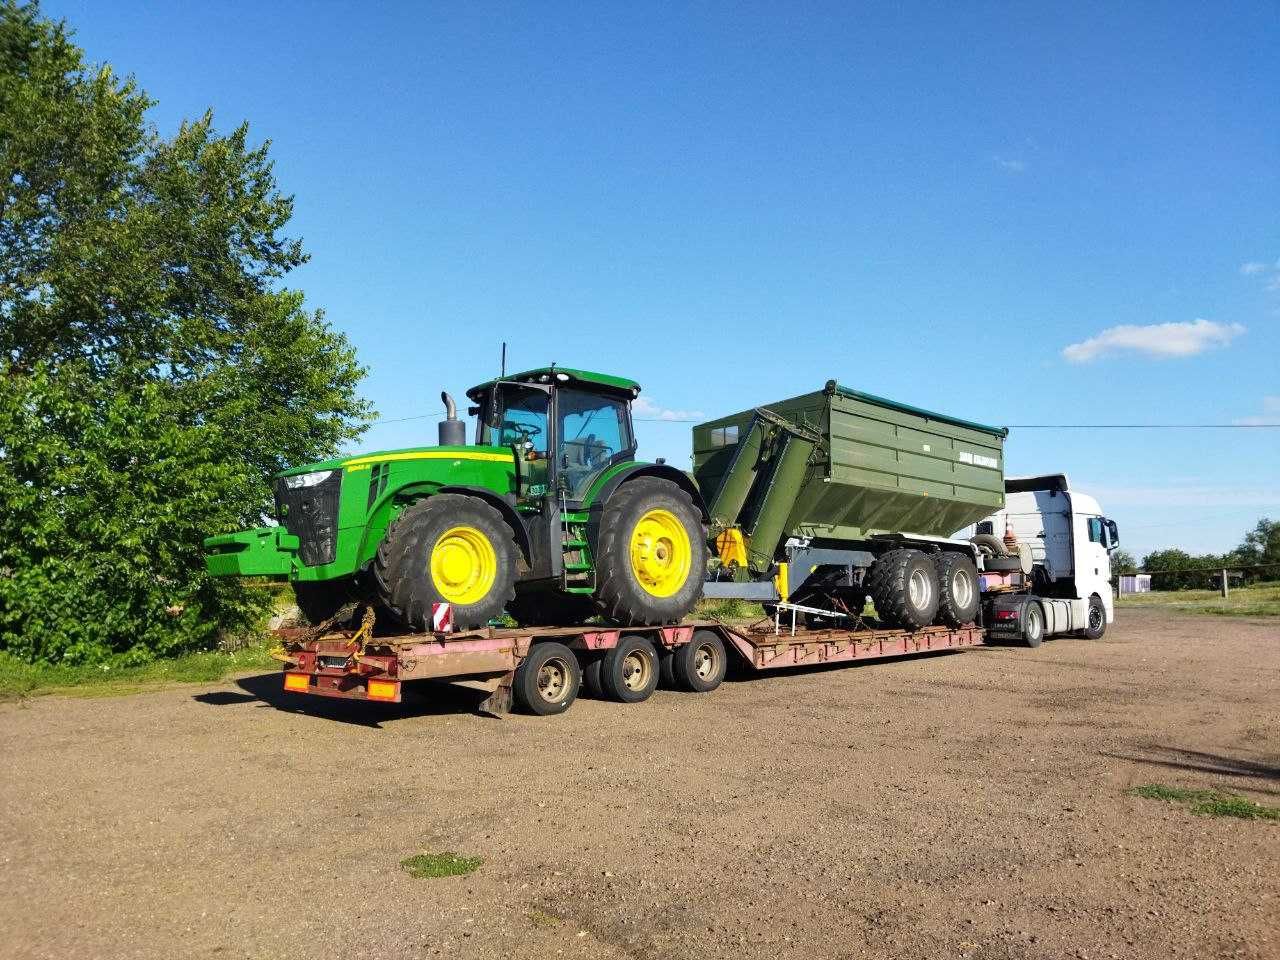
[[524, 433]]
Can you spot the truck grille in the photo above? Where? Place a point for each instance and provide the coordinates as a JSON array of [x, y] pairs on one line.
[[311, 515]]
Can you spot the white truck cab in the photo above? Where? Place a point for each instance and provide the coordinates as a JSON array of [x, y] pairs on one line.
[[1071, 543]]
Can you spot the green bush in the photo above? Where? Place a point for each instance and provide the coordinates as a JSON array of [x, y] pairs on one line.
[[154, 372]]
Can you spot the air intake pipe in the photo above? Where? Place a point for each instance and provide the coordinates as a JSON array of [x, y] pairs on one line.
[[453, 432]]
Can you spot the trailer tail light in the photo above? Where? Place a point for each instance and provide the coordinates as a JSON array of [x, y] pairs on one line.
[[297, 682], [384, 689], [1006, 614]]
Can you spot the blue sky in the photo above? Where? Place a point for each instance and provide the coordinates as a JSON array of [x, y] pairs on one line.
[[955, 205]]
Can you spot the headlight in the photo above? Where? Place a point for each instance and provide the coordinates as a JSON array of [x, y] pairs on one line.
[[308, 479]]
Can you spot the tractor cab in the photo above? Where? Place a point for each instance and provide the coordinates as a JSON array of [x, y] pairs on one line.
[[567, 428]]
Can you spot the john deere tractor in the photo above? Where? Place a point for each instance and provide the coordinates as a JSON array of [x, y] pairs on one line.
[[547, 515]]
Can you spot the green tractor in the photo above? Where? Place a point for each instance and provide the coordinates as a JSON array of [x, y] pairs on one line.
[[548, 516]]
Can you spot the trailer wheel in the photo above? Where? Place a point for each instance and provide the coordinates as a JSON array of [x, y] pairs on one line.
[[448, 548], [1032, 623], [699, 665], [548, 679], [591, 683], [904, 587], [1097, 622], [958, 593], [650, 553], [629, 671]]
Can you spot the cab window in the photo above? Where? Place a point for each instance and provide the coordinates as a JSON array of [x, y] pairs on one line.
[[1095, 530], [593, 430], [521, 420]]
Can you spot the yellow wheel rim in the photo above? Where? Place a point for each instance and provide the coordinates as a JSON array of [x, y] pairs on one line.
[[464, 565], [661, 555]]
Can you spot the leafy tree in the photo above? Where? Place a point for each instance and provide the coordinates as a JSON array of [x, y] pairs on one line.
[[154, 371], [1260, 547], [1175, 569], [1122, 562]]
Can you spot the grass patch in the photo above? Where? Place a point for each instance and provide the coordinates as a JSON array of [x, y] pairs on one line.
[[1209, 803], [21, 679], [440, 865], [543, 920], [1255, 600]]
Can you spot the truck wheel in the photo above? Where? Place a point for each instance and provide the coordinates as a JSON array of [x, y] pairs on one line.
[[958, 589], [699, 665], [320, 600], [548, 608], [651, 554], [1097, 622], [591, 683], [448, 548], [548, 679], [1032, 624], [904, 587], [629, 671]]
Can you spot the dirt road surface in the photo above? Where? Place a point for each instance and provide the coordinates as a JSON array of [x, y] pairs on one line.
[[961, 805]]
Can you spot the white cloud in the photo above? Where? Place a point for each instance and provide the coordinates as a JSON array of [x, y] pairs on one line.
[[1269, 273], [1270, 414], [645, 409], [1012, 164], [1155, 340]]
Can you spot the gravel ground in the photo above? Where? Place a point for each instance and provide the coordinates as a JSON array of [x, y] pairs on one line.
[[960, 805]]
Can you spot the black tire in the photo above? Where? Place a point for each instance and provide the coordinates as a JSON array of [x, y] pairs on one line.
[[904, 587], [403, 565], [629, 671], [549, 608], [1002, 564], [321, 600], [622, 594], [591, 683], [958, 594], [547, 680], [699, 666], [1097, 619], [1032, 624]]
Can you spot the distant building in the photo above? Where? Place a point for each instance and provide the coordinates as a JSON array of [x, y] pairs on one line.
[[1135, 583]]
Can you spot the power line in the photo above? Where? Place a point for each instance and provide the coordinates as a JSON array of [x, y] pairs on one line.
[[1144, 426]]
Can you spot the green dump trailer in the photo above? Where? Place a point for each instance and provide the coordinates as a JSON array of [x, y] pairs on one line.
[[826, 497]]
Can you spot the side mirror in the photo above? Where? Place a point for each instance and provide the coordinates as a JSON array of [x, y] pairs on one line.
[[473, 411]]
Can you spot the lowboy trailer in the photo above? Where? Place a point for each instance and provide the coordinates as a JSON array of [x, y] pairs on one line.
[[542, 669]]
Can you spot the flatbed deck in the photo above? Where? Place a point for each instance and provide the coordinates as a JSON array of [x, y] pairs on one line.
[[361, 666]]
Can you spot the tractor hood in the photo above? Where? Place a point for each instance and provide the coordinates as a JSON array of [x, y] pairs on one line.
[[366, 460]]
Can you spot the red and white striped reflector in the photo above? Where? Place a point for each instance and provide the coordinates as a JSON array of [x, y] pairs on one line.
[[1006, 614], [442, 617]]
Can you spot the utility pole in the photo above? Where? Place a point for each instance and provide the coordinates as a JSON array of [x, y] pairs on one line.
[[1225, 588]]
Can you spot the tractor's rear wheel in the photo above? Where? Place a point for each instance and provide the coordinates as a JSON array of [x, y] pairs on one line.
[[549, 608], [650, 554], [448, 548], [904, 587]]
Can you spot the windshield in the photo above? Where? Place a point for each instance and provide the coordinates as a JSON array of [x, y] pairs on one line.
[[520, 419]]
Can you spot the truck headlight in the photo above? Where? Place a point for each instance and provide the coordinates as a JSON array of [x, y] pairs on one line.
[[308, 479]]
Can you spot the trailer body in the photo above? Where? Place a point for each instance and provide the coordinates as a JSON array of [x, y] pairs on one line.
[[347, 665]]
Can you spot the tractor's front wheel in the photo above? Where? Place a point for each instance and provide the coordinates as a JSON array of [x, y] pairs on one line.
[[651, 554], [448, 548]]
